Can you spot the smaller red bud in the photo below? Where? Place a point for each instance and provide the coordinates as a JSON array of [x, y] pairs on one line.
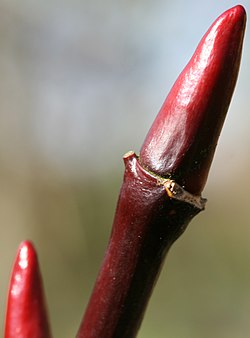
[[26, 315]]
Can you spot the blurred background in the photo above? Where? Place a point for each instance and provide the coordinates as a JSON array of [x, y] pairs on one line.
[[80, 84]]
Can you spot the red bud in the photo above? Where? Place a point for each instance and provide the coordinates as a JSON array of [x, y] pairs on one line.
[[183, 137], [26, 311]]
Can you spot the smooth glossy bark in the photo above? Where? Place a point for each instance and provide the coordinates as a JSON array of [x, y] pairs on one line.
[[146, 223]]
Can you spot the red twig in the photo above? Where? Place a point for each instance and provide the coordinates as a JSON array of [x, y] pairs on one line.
[[153, 210]]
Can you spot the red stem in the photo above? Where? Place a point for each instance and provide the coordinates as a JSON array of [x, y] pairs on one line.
[[26, 314], [152, 210], [146, 224]]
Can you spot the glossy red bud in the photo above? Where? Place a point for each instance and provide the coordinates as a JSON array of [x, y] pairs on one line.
[[26, 315], [184, 135]]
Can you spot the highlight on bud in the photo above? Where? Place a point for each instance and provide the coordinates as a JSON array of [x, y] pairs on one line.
[[184, 135], [26, 314]]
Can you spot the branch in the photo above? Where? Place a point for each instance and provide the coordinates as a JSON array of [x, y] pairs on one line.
[[161, 190]]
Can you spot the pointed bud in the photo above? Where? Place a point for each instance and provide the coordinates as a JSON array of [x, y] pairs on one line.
[[26, 311], [183, 137]]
